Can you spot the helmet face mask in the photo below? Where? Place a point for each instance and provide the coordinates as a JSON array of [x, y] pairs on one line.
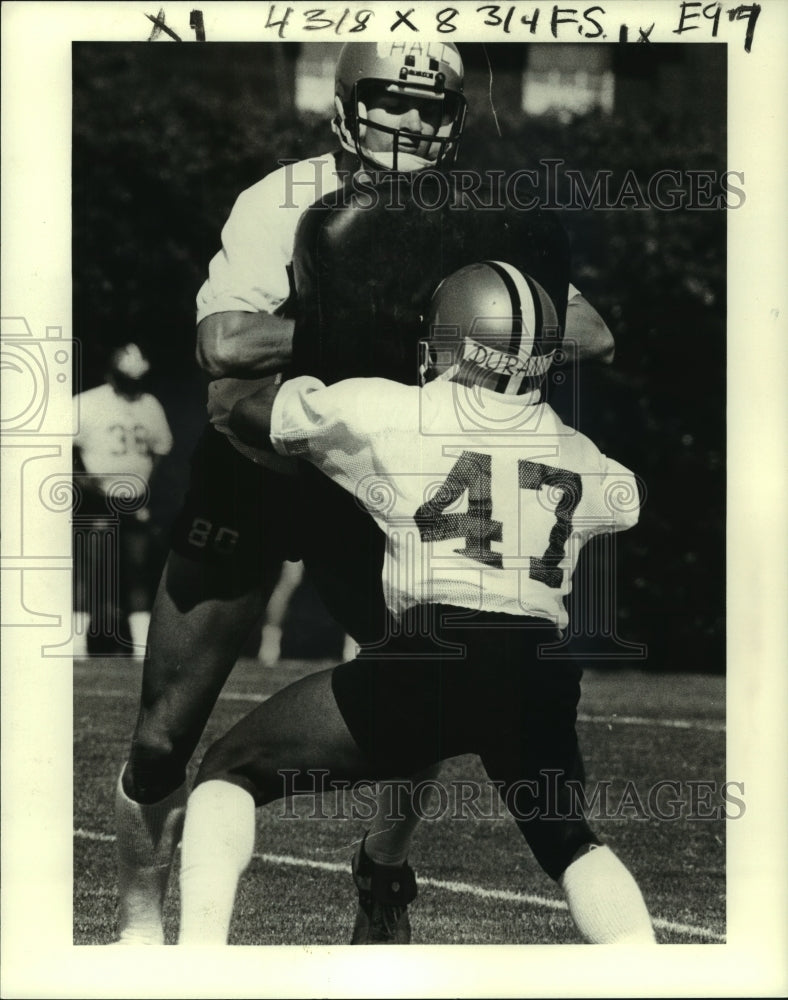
[[395, 146], [438, 356], [378, 88]]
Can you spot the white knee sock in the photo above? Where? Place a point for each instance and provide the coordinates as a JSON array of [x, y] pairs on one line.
[[139, 623], [218, 841], [605, 901], [147, 836]]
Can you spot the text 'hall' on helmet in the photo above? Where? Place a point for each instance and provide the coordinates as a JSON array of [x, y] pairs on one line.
[[427, 75]]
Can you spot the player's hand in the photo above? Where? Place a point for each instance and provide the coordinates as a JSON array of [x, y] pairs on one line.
[[250, 417]]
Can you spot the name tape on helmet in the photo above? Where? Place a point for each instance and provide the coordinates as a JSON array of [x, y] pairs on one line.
[[506, 364], [440, 51]]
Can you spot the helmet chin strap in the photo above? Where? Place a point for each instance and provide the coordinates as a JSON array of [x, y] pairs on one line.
[[406, 162]]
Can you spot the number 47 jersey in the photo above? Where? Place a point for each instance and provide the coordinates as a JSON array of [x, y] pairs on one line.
[[485, 499]]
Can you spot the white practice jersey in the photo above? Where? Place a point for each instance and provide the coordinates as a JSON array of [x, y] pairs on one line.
[[485, 510], [119, 437], [249, 274]]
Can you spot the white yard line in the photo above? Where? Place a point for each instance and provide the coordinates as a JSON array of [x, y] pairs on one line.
[[638, 720], [224, 696], [462, 888], [705, 725]]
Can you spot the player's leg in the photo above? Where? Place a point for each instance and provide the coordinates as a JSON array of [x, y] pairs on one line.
[[604, 899], [344, 551], [360, 721], [197, 631], [94, 539], [278, 748], [532, 752], [194, 641], [135, 597], [271, 637], [80, 577], [384, 879], [109, 631], [213, 590]]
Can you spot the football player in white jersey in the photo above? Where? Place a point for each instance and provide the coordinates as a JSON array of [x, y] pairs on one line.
[[120, 433], [486, 498], [398, 106]]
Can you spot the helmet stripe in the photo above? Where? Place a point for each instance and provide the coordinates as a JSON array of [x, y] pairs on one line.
[[514, 299], [536, 298]]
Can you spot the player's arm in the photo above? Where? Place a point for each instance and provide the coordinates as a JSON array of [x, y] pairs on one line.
[[159, 432], [77, 464], [587, 336], [623, 493], [250, 417], [87, 482], [240, 330], [244, 344], [78, 467], [305, 418], [156, 461]]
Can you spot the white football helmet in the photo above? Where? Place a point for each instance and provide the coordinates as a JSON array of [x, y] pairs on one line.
[[426, 70], [493, 326]]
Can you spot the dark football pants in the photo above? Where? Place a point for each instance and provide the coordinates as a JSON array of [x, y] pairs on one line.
[[435, 690]]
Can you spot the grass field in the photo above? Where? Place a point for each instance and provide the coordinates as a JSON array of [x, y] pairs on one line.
[[477, 881]]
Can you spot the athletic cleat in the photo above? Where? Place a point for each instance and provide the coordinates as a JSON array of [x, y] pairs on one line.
[[384, 892]]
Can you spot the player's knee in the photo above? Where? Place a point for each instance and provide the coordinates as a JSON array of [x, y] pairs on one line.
[[555, 843], [250, 767], [155, 766]]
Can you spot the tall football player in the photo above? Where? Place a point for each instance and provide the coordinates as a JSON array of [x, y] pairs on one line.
[[398, 107]]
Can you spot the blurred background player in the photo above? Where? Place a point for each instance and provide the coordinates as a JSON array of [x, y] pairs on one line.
[[289, 581], [278, 624], [398, 107], [121, 433], [488, 579]]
